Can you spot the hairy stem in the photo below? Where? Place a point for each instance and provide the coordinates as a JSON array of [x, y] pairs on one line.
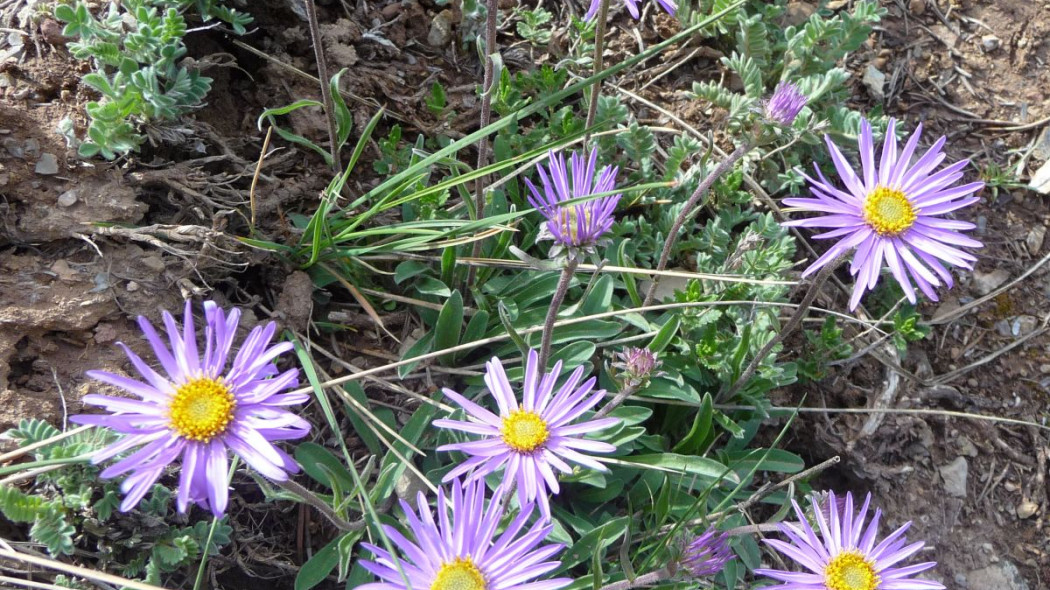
[[486, 118], [552, 313], [313, 500], [614, 402], [642, 580], [599, 63], [793, 323], [701, 191], [326, 90]]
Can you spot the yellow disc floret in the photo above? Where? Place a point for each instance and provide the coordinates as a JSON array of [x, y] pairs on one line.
[[459, 574], [201, 409], [568, 221], [849, 570], [524, 431], [888, 211]]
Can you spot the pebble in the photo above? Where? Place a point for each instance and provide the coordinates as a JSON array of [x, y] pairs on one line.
[[874, 80], [1001, 576], [47, 164], [954, 475], [14, 147], [1024, 325], [982, 224], [1040, 181], [986, 282], [917, 7], [68, 198], [989, 43], [1035, 238], [51, 31], [1044, 369], [132, 286], [1026, 508]]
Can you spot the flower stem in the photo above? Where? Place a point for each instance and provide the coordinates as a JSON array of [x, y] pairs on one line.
[[599, 63], [701, 190], [552, 313], [614, 402], [793, 323], [486, 118], [642, 580], [326, 90], [313, 500]]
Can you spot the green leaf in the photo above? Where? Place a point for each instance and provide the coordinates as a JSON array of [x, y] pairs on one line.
[[686, 465], [344, 120], [449, 326], [593, 542], [421, 347], [764, 460], [20, 507], [312, 457], [666, 333], [694, 440], [600, 297], [52, 530], [318, 567]]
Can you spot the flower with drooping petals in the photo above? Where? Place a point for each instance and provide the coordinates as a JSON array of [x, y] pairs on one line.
[[847, 556], [533, 438], [200, 410], [632, 6], [893, 214], [785, 104], [461, 551], [707, 554], [576, 226]]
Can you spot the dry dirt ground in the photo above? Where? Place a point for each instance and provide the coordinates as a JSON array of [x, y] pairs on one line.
[[974, 70]]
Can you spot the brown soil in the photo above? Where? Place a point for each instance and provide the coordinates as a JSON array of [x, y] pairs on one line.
[[69, 286]]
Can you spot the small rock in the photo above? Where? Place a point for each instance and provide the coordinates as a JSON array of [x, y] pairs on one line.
[[132, 286], [954, 475], [1035, 238], [1001, 576], [1026, 508], [153, 263], [874, 81], [989, 43], [917, 7], [982, 225], [1040, 182], [1042, 145], [797, 13], [64, 271], [986, 282], [966, 446], [51, 31], [14, 147], [68, 198], [47, 164], [32, 147], [440, 33], [1024, 325], [1044, 369]]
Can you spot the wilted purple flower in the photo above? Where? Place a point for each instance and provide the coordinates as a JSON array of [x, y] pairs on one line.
[[199, 410], [461, 551], [632, 6], [575, 226], [635, 366], [892, 214], [707, 554], [533, 437], [847, 556], [785, 104]]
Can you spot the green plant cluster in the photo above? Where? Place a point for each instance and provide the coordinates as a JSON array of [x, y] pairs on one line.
[[136, 48], [69, 507]]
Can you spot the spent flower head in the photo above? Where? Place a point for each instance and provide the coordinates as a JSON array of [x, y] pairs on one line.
[[892, 214], [785, 104], [575, 226], [705, 555], [532, 438], [200, 410], [461, 550], [635, 366], [848, 555]]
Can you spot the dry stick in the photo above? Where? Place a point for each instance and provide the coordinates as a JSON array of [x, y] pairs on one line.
[[701, 190], [552, 313], [599, 62], [793, 323], [326, 90], [486, 118], [74, 570]]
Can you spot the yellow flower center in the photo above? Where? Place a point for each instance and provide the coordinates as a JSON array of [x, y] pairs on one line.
[[850, 571], [202, 409], [568, 220], [888, 211], [459, 574], [524, 431]]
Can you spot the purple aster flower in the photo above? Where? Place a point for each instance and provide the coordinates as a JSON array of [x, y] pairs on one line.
[[199, 410], [576, 226], [892, 214], [635, 366], [707, 554], [785, 104], [461, 551], [532, 438], [847, 556], [632, 6]]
